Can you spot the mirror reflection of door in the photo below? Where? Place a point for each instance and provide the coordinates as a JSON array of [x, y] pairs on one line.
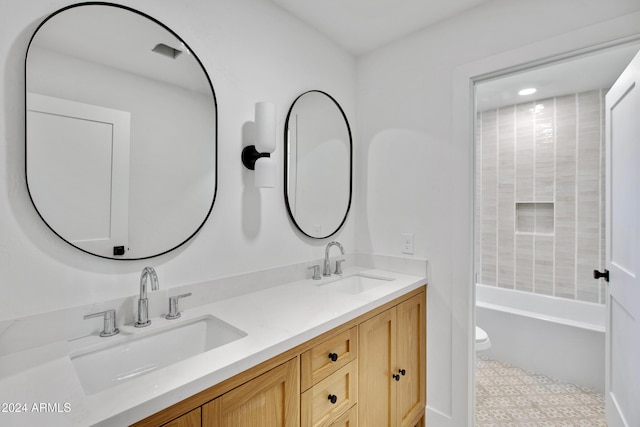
[[78, 158]]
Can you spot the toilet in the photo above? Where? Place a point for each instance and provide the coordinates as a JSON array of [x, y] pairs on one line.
[[482, 340]]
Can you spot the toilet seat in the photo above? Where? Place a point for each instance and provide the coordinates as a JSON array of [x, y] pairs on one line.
[[482, 340]]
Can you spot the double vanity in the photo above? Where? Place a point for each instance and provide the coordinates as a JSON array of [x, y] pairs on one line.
[[313, 344], [306, 352]]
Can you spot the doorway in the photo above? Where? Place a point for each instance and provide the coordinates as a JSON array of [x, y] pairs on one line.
[[539, 189]]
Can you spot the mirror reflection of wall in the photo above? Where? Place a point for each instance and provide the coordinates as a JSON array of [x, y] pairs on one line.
[[318, 164], [149, 195]]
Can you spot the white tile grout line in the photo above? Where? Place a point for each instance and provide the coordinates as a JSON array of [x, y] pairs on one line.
[[600, 157], [576, 194], [515, 194], [497, 142], [534, 198], [555, 196]]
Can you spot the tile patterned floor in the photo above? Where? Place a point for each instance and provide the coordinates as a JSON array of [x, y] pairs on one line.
[[507, 396]]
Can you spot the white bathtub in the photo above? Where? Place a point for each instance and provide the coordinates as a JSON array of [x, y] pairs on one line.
[[557, 337]]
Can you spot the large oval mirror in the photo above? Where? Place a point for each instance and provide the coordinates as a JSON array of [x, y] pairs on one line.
[[318, 163], [121, 132]]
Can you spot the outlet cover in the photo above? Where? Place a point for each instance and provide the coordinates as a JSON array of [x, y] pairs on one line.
[[407, 243]]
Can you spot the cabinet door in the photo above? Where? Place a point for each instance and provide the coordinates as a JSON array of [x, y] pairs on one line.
[[411, 349], [190, 419], [376, 365], [270, 400]]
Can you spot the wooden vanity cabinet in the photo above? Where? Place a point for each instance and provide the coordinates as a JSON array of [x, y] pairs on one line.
[[329, 380], [190, 419], [392, 366], [270, 400], [370, 371]]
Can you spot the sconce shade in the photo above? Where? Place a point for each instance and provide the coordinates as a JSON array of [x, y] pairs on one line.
[[257, 157], [265, 170], [265, 119]]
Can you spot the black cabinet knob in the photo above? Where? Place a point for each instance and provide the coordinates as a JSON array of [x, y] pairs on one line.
[[605, 275], [333, 399], [396, 377], [402, 372], [333, 357]]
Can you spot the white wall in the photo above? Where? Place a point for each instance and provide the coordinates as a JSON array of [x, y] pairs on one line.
[[414, 114], [253, 51]]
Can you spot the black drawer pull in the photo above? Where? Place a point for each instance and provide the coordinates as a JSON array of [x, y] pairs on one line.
[[333, 357], [333, 399]]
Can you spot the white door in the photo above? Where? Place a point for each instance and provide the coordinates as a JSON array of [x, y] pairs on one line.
[[78, 171], [622, 385]]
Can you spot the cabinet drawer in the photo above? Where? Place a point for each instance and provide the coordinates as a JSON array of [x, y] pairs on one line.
[[331, 397], [348, 419], [318, 363]]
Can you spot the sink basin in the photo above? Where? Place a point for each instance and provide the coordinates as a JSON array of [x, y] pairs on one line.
[[124, 360], [357, 283]]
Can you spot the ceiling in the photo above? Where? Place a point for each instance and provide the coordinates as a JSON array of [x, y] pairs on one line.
[[364, 25], [361, 26], [117, 38], [597, 70]]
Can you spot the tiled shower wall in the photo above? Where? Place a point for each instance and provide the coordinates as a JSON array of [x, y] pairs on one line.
[[540, 196]]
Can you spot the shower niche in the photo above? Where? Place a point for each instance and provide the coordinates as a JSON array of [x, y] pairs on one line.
[[535, 217]]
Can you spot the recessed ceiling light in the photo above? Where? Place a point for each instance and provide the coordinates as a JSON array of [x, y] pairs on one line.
[[528, 91]]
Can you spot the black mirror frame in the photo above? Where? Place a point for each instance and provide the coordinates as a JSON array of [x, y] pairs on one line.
[[215, 103], [286, 165]]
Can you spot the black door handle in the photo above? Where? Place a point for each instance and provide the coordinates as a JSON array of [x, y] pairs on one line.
[[605, 275]]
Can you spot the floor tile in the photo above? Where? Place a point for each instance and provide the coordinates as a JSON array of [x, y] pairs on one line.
[[507, 396]]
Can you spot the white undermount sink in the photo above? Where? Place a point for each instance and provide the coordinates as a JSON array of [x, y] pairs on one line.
[[357, 283], [131, 357]]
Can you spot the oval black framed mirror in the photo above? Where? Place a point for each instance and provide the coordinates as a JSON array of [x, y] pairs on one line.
[[318, 164], [121, 128]]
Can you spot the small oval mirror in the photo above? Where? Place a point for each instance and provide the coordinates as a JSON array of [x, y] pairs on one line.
[[317, 167], [120, 134]]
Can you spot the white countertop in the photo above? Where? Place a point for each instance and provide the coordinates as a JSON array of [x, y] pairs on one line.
[[40, 386]]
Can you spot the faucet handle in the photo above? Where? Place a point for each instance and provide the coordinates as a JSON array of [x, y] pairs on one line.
[[316, 271], [339, 266], [174, 313], [109, 328]]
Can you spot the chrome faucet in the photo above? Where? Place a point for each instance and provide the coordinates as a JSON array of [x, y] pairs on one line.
[[327, 264], [143, 302]]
